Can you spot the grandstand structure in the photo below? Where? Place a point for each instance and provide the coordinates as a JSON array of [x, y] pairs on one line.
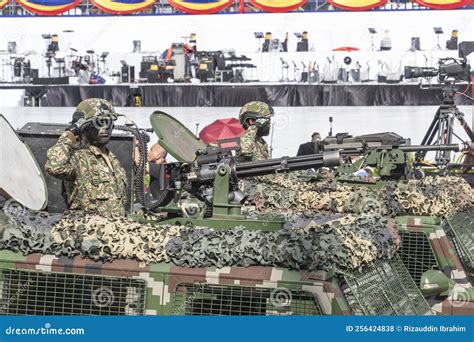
[[163, 7]]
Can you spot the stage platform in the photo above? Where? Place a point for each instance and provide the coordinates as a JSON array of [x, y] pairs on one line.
[[237, 94]]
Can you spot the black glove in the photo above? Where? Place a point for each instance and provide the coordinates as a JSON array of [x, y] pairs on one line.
[[75, 127], [76, 116]]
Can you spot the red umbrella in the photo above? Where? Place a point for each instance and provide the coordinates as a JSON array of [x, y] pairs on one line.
[[346, 48], [221, 129]]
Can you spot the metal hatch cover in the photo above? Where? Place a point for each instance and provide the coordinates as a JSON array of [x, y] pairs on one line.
[[175, 138], [20, 175]]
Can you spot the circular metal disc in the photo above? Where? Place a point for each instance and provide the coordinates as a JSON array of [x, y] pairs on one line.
[[20, 175], [175, 138]]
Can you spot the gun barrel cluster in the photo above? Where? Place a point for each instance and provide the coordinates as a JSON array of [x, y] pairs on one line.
[[410, 148], [285, 164]]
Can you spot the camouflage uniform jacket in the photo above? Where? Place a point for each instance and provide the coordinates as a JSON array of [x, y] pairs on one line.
[[252, 146], [94, 181]]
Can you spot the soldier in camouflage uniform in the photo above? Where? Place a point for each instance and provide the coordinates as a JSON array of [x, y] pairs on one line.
[[94, 180], [255, 117]]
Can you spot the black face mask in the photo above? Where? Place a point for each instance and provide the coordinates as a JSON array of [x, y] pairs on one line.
[[264, 129], [98, 132]]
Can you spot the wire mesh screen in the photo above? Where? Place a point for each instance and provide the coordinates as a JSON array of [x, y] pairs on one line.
[[459, 229], [416, 254], [220, 300], [38, 293], [386, 288]]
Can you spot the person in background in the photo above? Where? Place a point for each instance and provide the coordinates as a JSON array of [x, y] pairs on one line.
[[284, 44], [386, 42], [469, 159], [156, 156], [255, 118], [311, 147], [266, 42], [94, 180]]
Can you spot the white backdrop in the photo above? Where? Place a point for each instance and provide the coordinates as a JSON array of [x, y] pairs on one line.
[[292, 126], [327, 30]]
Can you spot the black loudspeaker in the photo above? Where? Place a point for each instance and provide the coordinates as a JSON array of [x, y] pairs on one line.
[[342, 75], [41, 136], [137, 46], [153, 76], [34, 73], [302, 46], [228, 76], [452, 44], [11, 48], [220, 61], [415, 43], [355, 74], [313, 76], [304, 76], [144, 68], [127, 74], [209, 61]]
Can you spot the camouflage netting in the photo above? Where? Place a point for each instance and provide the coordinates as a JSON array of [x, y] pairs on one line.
[[296, 192], [346, 243], [25, 230], [358, 233]]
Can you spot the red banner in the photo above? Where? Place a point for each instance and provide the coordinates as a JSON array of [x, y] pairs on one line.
[[200, 6], [48, 7], [278, 6], [55, 7], [123, 6], [444, 4]]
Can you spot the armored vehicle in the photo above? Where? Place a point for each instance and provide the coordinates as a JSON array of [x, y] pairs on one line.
[[425, 266]]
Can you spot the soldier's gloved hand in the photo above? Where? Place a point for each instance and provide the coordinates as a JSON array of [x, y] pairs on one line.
[[76, 116], [76, 126]]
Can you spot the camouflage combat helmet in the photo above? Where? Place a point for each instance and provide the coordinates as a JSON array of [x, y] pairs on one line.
[[95, 108], [255, 110]]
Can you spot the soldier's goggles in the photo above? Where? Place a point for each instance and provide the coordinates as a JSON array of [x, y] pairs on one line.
[[258, 115], [103, 122]]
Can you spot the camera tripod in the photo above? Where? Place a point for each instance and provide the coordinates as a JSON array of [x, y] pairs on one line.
[[441, 131]]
